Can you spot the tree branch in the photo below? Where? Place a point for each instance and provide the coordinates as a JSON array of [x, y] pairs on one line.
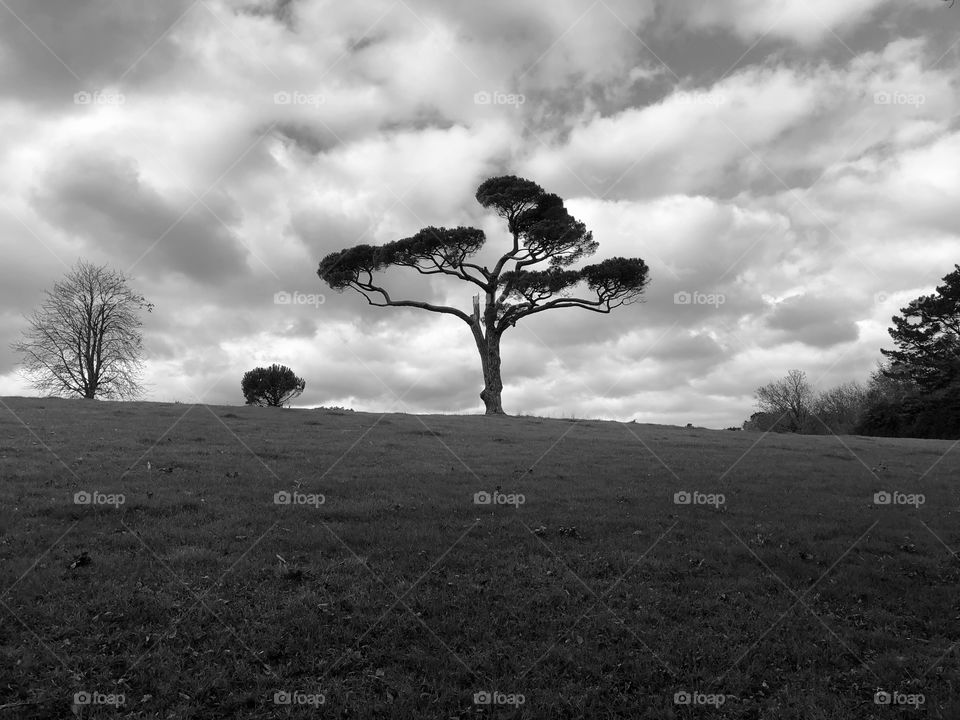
[[364, 288]]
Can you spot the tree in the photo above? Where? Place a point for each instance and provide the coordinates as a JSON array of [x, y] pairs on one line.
[[887, 384], [274, 386], [767, 422], [838, 410], [543, 232], [896, 406], [928, 338], [85, 339], [789, 398]]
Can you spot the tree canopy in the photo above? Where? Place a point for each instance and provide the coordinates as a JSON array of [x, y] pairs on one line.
[[927, 335], [543, 231], [274, 386]]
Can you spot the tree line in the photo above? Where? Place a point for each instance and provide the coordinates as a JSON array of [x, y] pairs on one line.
[[914, 392]]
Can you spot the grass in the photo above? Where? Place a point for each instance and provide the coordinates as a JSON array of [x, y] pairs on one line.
[[399, 597]]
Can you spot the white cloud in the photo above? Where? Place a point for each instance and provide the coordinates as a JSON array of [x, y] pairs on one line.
[[804, 21]]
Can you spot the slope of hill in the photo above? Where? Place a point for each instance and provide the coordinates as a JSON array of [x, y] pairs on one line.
[[453, 566]]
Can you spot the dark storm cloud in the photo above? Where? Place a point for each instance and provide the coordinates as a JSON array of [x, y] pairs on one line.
[[283, 11], [819, 322], [311, 139], [51, 49], [323, 229], [102, 199], [23, 289], [363, 43], [690, 347], [299, 327], [423, 118]]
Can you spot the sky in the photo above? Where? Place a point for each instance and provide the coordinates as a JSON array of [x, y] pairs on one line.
[[788, 169]]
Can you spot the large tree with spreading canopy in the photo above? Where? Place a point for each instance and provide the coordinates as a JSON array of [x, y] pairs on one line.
[[543, 234]]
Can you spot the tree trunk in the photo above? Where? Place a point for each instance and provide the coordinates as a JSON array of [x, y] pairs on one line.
[[489, 347], [492, 384]]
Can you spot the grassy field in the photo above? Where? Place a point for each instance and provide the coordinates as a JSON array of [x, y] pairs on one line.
[[383, 589]]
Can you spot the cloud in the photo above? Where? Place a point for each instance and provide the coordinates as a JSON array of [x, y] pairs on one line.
[[53, 49], [101, 199], [803, 21], [818, 322], [283, 11], [764, 129]]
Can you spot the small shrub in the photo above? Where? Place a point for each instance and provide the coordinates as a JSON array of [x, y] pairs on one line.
[[274, 386]]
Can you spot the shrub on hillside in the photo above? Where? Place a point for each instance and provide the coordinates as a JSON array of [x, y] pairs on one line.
[[274, 386]]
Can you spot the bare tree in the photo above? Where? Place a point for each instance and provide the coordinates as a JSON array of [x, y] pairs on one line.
[[839, 408], [789, 398], [85, 339]]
